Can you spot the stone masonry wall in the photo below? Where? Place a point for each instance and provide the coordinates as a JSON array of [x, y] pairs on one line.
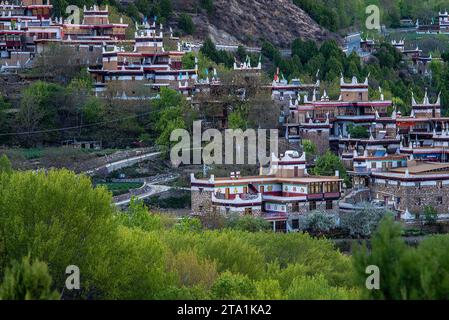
[[201, 201], [415, 199]]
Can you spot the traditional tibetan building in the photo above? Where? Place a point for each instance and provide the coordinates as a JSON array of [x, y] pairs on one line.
[[330, 120], [409, 189], [280, 196], [435, 28], [425, 133], [282, 90], [18, 22], [148, 63], [26, 29]]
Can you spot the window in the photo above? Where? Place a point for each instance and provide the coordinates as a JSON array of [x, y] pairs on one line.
[[200, 208], [373, 165], [315, 188], [295, 224], [312, 205], [329, 205], [201, 190], [261, 189], [248, 211], [91, 48], [418, 201], [439, 184], [418, 185], [440, 200], [331, 187]]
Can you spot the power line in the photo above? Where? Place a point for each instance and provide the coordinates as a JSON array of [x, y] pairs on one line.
[[75, 127]]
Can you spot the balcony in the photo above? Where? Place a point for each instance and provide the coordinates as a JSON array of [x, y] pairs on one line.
[[239, 200], [323, 196], [284, 197]]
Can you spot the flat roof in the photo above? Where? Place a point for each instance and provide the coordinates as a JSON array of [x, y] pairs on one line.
[[422, 167]]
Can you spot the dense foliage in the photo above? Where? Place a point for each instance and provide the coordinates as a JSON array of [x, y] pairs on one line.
[[59, 219], [52, 220], [186, 24], [405, 272], [341, 14]]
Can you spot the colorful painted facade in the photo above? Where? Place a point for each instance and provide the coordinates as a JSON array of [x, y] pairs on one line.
[[280, 196]]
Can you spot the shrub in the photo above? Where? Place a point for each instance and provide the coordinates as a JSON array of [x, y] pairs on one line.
[[363, 221], [318, 221], [27, 280], [248, 223], [233, 286]]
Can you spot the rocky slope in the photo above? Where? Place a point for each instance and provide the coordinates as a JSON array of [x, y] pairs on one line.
[[249, 21]]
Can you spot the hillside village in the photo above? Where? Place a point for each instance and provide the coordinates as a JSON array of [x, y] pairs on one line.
[[223, 150], [394, 161]]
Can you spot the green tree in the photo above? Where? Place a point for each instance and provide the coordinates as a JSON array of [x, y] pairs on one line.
[[309, 147], [169, 120], [138, 216], [57, 217], [93, 110], [5, 165], [430, 214], [397, 264], [233, 253], [207, 5], [188, 224], [248, 223], [317, 288], [137, 265], [271, 52], [133, 12], [305, 50], [358, 132], [27, 280], [171, 110], [268, 289], [434, 262], [39, 108], [186, 24], [328, 164], [166, 9], [236, 120], [233, 286], [193, 270], [388, 56]]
